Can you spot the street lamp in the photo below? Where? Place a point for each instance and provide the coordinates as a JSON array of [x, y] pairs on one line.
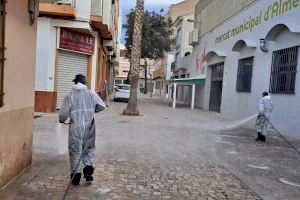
[[263, 45]]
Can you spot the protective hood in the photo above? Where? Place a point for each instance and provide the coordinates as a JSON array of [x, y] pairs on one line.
[[79, 86], [267, 98]]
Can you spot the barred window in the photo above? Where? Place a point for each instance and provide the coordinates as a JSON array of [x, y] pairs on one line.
[[2, 47], [244, 76], [284, 70]]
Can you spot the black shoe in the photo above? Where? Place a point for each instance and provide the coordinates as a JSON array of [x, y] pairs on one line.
[[76, 178], [88, 172], [263, 138], [259, 136]]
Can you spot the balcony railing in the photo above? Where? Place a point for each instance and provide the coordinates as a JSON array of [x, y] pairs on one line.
[[187, 62], [64, 9], [173, 66], [100, 17], [194, 37], [97, 8]]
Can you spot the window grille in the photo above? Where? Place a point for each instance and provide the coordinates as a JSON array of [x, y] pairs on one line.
[[284, 70], [244, 75], [2, 47]]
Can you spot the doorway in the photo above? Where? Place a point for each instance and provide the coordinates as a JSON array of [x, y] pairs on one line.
[[215, 101]]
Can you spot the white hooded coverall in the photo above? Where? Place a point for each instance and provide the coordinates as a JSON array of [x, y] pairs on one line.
[[80, 105], [265, 110]]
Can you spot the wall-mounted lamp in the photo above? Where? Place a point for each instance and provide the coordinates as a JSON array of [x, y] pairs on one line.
[[263, 45]]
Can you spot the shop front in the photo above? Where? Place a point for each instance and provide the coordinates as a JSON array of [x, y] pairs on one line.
[[61, 54], [74, 55]]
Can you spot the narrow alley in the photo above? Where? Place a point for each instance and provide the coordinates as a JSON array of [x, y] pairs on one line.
[[164, 154]]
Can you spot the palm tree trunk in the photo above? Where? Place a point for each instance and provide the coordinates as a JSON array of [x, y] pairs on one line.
[[132, 107], [146, 77], [128, 75]]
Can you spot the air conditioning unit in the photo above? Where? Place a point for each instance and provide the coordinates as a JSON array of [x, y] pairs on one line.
[[65, 2], [194, 37]]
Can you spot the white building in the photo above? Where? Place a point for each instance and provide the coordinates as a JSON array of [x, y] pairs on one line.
[[253, 49], [122, 70], [74, 36]]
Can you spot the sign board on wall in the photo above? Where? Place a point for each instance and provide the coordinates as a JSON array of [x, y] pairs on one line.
[[273, 10], [74, 41]]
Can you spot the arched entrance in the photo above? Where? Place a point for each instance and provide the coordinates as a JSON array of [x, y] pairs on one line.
[[216, 68]]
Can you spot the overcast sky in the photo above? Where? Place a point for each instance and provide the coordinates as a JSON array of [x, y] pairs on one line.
[[151, 5]]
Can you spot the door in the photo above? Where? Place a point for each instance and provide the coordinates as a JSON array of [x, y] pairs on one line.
[[216, 87], [69, 64]]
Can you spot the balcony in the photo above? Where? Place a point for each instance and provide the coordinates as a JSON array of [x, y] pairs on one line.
[[64, 9], [187, 62], [194, 37], [99, 17], [173, 66]]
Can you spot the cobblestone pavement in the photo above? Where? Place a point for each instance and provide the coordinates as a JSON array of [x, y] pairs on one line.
[[123, 179], [164, 154]]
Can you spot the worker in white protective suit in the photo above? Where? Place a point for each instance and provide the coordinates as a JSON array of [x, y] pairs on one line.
[[80, 105], [262, 122]]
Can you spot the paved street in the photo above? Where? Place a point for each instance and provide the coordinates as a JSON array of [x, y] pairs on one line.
[[164, 154]]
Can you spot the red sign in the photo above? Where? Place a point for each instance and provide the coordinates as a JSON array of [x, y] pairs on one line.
[[74, 41]]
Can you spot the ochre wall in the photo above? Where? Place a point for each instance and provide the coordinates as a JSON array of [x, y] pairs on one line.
[[16, 116], [181, 9], [218, 11]]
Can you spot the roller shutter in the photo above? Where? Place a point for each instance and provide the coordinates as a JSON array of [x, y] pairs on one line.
[[69, 64]]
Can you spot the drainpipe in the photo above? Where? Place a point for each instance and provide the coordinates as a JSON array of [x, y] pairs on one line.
[[2, 51]]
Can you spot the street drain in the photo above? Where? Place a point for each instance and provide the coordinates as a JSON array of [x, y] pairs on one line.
[[37, 116], [285, 181]]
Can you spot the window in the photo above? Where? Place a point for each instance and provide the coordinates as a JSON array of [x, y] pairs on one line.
[[118, 82], [283, 72], [157, 85], [2, 48], [124, 87], [244, 76]]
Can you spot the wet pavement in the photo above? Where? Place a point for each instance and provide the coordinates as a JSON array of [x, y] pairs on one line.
[[164, 154]]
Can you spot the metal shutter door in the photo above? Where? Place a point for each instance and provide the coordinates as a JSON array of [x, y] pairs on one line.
[[69, 64]]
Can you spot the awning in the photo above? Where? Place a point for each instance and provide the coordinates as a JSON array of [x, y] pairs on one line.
[[188, 81]]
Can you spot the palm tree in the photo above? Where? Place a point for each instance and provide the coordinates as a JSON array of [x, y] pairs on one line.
[[132, 107]]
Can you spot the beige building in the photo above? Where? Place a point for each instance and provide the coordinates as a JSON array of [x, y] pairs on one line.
[[176, 13], [181, 9], [122, 70], [18, 40], [179, 13]]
